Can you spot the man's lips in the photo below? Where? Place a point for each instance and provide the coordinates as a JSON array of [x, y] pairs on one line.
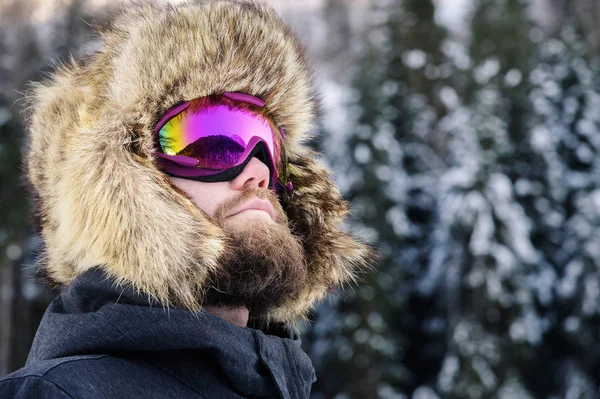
[[256, 204]]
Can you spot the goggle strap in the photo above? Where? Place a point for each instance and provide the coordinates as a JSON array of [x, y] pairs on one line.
[[247, 98], [250, 99], [280, 185], [181, 160], [170, 114]]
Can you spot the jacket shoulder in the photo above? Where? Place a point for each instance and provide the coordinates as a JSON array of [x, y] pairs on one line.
[[38, 380], [95, 376], [31, 386]]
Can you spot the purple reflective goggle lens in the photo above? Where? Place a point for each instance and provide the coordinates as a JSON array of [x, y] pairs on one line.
[[202, 140]]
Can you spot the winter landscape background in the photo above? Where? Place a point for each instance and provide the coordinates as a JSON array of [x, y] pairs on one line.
[[466, 135]]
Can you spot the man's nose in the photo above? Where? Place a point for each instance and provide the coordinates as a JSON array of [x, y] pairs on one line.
[[255, 175]]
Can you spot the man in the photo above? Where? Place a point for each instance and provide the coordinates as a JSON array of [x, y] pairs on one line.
[[182, 210]]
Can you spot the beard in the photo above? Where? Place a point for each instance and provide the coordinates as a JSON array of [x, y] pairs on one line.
[[263, 265]]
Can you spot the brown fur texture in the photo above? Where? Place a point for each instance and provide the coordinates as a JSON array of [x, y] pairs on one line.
[[100, 197]]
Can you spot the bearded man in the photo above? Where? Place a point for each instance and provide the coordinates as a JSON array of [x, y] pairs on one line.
[[182, 210]]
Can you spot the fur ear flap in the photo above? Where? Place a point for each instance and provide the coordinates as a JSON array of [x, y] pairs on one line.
[[315, 209]]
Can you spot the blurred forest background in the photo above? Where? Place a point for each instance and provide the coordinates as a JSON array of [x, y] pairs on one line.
[[466, 135]]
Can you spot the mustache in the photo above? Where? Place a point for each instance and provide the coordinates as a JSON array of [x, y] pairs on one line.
[[228, 206]]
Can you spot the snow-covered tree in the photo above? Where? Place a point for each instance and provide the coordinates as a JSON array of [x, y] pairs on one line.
[[471, 163], [565, 99], [380, 340]]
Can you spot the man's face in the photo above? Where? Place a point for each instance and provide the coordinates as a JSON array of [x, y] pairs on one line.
[[264, 264]]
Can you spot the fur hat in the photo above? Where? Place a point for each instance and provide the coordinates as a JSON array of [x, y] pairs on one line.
[[101, 199]]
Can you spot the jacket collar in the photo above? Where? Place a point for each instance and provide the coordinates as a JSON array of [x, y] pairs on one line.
[[121, 320]]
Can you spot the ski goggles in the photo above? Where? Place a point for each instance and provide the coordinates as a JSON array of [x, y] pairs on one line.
[[211, 139]]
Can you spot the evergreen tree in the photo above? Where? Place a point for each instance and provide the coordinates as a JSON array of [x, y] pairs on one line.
[[518, 214], [380, 340], [485, 217], [566, 135], [483, 249]]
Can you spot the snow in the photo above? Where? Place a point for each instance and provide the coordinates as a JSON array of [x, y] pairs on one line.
[[591, 295], [385, 391], [14, 252], [375, 321], [513, 389], [485, 373], [398, 220], [513, 77], [415, 58], [551, 89], [352, 321], [453, 14], [425, 393], [31, 291], [383, 173], [449, 97], [572, 324], [487, 70], [483, 231], [361, 336], [457, 53], [543, 284], [5, 116], [450, 369], [584, 126], [362, 154], [528, 328]]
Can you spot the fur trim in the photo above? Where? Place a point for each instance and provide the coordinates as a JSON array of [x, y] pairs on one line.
[[100, 197]]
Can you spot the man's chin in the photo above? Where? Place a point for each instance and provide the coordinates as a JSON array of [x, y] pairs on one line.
[[263, 266]]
